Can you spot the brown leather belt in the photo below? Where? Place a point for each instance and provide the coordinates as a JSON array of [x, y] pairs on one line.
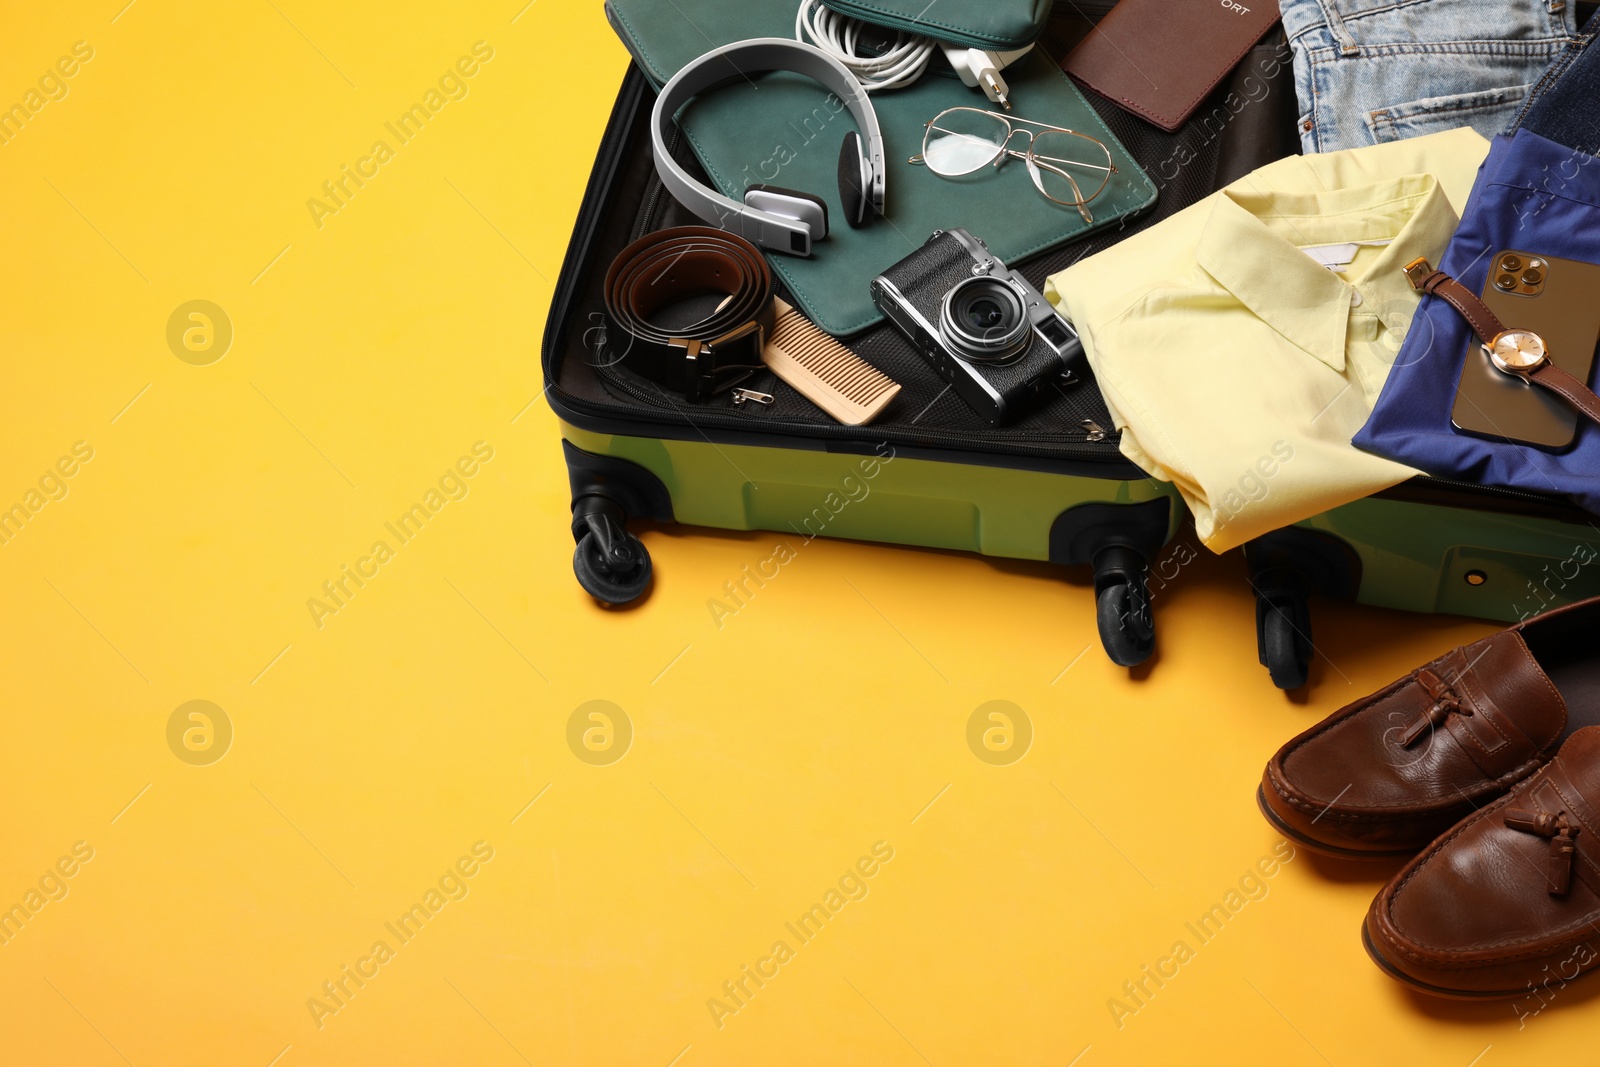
[[665, 268]]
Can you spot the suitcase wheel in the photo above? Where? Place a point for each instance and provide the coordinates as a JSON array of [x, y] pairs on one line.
[[611, 564], [1122, 606], [1287, 567], [1283, 639], [1116, 540]]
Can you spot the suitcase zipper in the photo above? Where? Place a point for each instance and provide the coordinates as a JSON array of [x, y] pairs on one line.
[[1492, 490], [946, 34], [1459, 494], [652, 395], [647, 219]]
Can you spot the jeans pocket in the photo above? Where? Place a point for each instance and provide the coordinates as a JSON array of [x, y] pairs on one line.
[[1486, 110]]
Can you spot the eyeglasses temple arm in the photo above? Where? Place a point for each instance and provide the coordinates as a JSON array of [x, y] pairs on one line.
[[1082, 204]]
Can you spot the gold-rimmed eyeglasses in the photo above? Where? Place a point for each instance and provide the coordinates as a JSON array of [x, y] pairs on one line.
[[963, 140]]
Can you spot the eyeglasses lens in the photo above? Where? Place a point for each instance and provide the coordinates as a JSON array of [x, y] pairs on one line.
[[961, 141]]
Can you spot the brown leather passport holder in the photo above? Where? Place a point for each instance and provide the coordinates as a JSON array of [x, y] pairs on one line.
[[1160, 58]]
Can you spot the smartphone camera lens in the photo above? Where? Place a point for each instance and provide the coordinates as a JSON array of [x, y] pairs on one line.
[[1532, 276], [1510, 264], [1506, 281]]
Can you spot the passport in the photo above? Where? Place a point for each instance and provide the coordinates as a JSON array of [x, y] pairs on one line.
[[1160, 58]]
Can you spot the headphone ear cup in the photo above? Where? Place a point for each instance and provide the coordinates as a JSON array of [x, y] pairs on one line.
[[855, 180], [806, 209]]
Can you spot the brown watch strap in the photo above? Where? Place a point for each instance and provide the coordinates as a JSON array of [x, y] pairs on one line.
[[1558, 381], [1427, 280], [1423, 277]]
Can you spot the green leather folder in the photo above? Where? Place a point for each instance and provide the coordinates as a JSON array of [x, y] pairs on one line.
[[782, 129]]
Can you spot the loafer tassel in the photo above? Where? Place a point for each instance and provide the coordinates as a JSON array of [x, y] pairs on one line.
[[1443, 701], [1562, 849]]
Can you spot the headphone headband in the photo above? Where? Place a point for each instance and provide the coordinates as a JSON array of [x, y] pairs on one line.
[[730, 63]]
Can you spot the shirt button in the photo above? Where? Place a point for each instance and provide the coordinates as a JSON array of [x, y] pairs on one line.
[[1355, 298]]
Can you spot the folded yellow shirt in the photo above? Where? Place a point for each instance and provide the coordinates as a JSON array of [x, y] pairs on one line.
[[1235, 364]]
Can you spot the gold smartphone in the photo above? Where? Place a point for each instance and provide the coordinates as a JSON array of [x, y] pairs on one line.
[[1559, 299]]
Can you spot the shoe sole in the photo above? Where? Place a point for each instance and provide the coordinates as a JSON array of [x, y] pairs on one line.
[[1325, 849], [1432, 990]]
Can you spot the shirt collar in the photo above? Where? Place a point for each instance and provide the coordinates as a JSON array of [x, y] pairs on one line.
[[1252, 239]]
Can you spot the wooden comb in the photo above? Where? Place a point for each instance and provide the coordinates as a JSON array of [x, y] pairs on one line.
[[824, 371]]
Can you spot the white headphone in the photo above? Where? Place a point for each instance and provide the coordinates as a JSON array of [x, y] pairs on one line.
[[784, 220]]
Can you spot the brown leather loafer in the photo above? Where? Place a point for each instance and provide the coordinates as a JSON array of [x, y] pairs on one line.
[[1508, 901], [1386, 775]]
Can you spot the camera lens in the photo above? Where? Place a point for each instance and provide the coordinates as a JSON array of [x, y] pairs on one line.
[[1506, 281], [1510, 263], [985, 313], [982, 320]]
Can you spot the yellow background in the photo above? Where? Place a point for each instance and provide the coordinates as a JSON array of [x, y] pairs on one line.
[[432, 708]]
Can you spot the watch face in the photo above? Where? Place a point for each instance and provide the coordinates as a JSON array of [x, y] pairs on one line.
[[1518, 350]]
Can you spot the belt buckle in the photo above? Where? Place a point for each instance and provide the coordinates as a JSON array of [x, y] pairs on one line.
[[705, 362]]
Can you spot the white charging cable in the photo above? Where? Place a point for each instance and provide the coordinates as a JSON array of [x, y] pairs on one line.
[[838, 35]]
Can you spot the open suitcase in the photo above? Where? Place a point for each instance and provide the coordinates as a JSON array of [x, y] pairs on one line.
[[1051, 486]]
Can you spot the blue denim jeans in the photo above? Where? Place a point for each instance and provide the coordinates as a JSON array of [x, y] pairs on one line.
[[1370, 71], [1565, 104]]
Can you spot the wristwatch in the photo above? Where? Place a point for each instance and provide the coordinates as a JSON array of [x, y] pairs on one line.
[[1519, 353]]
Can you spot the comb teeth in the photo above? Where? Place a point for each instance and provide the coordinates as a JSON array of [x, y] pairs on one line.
[[827, 373], [848, 374]]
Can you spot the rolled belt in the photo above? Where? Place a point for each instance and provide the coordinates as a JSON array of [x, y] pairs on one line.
[[670, 266]]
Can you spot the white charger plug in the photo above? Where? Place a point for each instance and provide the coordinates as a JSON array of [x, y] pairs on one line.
[[979, 69]]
